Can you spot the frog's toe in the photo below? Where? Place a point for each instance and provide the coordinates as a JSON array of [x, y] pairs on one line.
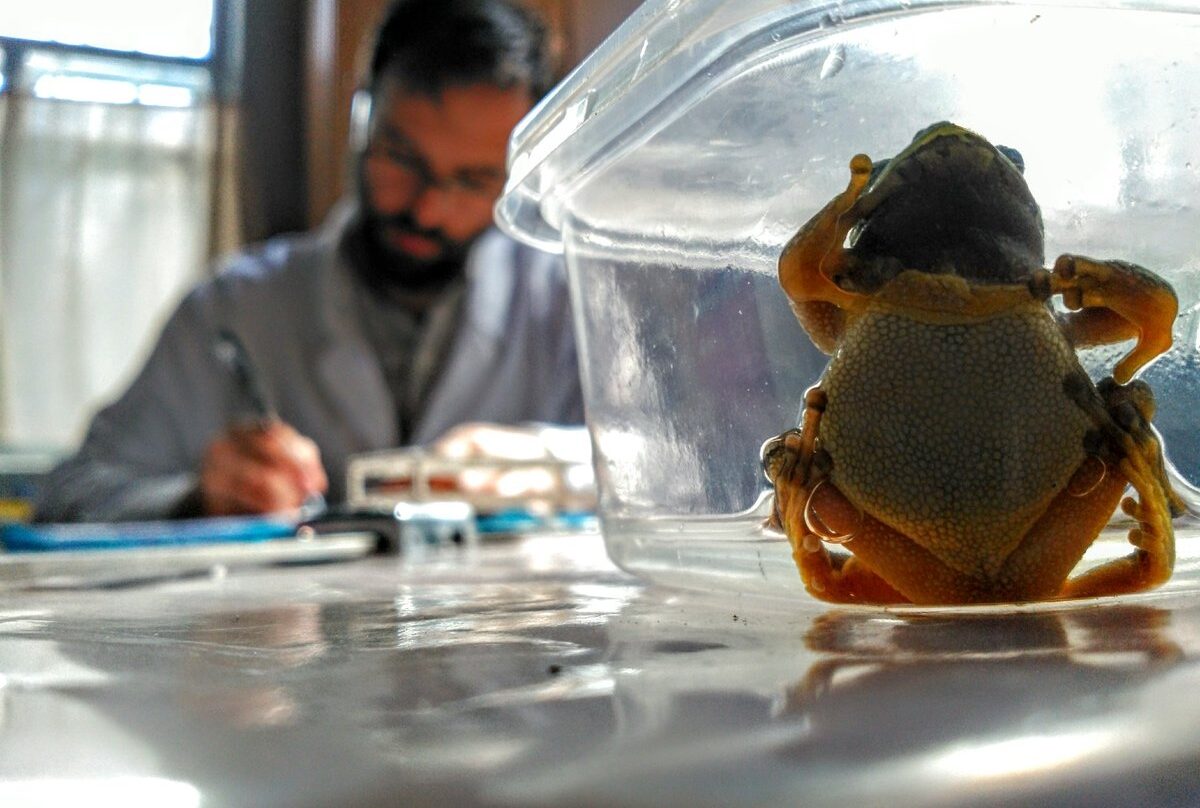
[[776, 454], [1132, 408], [1132, 404]]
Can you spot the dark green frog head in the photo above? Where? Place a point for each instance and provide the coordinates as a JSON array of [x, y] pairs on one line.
[[951, 202]]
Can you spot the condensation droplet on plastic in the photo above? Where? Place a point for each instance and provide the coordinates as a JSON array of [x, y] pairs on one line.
[[834, 62], [829, 20], [1087, 477], [818, 527]]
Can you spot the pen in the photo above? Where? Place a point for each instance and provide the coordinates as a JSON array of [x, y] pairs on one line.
[[232, 354]]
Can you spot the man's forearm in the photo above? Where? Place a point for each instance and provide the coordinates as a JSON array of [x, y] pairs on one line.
[[82, 491]]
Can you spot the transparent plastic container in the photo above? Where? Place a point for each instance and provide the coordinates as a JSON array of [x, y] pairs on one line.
[[671, 167]]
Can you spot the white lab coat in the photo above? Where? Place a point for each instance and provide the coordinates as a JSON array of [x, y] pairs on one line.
[[291, 302]]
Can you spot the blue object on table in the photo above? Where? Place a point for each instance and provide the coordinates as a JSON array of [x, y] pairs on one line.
[[522, 520], [514, 520], [16, 537]]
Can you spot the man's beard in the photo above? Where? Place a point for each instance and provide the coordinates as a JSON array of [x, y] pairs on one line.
[[393, 272]]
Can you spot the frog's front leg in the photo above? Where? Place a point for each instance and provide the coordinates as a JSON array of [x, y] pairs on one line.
[[1112, 301], [810, 510], [813, 260]]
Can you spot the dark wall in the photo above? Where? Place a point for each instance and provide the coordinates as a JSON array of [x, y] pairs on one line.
[[274, 167]]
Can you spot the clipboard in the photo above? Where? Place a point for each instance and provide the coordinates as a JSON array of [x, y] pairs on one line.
[[30, 538], [76, 569], [123, 553]]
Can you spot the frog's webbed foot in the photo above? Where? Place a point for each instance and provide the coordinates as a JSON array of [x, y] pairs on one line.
[[811, 511], [1111, 301], [1124, 428], [788, 461]]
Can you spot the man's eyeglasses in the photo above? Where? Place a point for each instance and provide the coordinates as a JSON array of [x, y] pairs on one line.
[[471, 184]]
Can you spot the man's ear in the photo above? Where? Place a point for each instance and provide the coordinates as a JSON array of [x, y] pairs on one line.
[[360, 121]]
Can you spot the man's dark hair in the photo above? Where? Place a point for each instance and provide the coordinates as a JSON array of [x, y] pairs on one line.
[[434, 44]]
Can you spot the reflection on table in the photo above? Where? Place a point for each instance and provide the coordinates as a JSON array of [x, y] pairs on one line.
[[535, 673]]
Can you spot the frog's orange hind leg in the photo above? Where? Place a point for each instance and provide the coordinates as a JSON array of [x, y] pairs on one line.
[[913, 572], [811, 511], [843, 578], [1046, 555], [1126, 452], [799, 471], [1113, 301], [1124, 421], [813, 258]]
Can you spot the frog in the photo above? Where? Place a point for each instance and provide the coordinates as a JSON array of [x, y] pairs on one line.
[[954, 449]]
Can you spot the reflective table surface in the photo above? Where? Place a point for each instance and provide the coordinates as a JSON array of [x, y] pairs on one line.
[[536, 673]]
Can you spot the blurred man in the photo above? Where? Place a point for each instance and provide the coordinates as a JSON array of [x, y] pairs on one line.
[[405, 315]]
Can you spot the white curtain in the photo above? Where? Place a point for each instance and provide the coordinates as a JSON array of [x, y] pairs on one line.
[[105, 221]]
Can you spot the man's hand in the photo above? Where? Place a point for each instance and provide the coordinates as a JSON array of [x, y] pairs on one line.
[[530, 464], [260, 468], [501, 442]]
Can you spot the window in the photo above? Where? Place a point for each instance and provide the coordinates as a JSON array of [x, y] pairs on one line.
[[110, 131], [72, 77], [179, 28]]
